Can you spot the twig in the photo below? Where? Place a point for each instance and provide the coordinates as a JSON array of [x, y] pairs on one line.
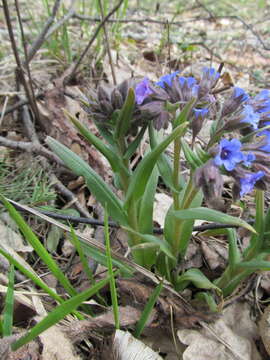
[[19, 70], [2, 114], [69, 195], [30, 81], [177, 23], [206, 9], [42, 36], [247, 26], [19, 104], [95, 222], [107, 43], [202, 44], [139, 21], [30, 147], [75, 67]]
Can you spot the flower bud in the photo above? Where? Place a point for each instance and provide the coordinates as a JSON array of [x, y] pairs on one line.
[[208, 177]]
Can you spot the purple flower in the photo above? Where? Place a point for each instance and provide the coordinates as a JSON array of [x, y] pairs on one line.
[[229, 154], [247, 183], [167, 79], [249, 116], [142, 90]]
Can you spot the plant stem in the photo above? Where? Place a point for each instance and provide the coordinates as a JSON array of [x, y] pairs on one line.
[[176, 199]]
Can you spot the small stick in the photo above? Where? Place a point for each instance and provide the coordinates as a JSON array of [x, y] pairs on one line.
[[107, 43], [75, 67]]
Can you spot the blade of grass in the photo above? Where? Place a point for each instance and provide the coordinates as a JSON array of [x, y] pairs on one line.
[[77, 244], [147, 310], [38, 247], [9, 304], [59, 313], [32, 276], [113, 290]]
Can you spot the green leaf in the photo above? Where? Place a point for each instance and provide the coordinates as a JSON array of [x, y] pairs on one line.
[[191, 157], [30, 274], [125, 116], [114, 160], [184, 114], [209, 299], [257, 239], [206, 214], [187, 225], [101, 258], [113, 290], [38, 247], [53, 238], [147, 310], [197, 278], [9, 304], [95, 183], [58, 314], [234, 252], [163, 245], [255, 265], [145, 223], [133, 146], [143, 171]]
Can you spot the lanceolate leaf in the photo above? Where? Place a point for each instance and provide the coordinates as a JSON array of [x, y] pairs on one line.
[[133, 146], [197, 278], [125, 116], [147, 204], [111, 156], [95, 183], [163, 245], [184, 114], [211, 215], [143, 171]]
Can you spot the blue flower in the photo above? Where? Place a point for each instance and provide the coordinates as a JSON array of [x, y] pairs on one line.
[[265, 147], [247, 183], [190, 81], [249, 158], [167, 79], [249, 116], [229, 154], [240, 95], [200, 113], [261, 102], [211, 73]]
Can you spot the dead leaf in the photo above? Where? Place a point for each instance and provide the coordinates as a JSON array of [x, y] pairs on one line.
[[234, 337], [13, 239], [161, 206], [215, 254], [56, 345], [82, 329], [126, 347], [264, 328]]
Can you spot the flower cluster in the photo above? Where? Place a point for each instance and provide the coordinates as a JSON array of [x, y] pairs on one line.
[[153, 98], [247, 163]]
